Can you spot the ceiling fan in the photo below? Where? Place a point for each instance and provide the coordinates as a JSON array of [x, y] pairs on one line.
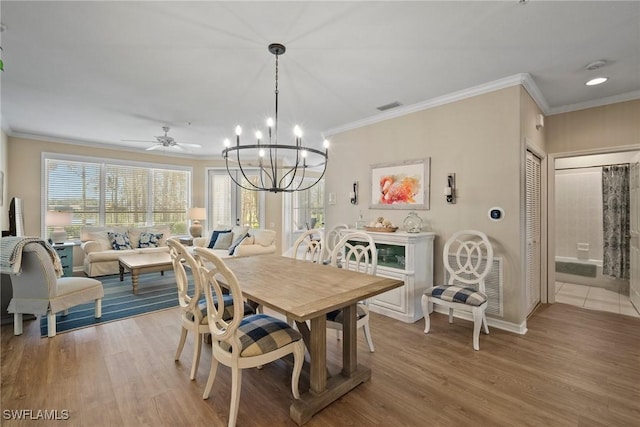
[[165, 141]]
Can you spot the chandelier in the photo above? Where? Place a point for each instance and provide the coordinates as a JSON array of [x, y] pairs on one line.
[[280, 167]]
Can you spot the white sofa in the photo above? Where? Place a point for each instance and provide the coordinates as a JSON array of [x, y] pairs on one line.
[[99, 256], [260, 241]]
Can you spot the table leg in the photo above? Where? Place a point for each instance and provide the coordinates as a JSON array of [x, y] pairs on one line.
[[349, 340], [121, 272], [134, 280], [318, 352]]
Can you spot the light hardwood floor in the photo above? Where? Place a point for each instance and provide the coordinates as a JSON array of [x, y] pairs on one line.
[[575, 367]]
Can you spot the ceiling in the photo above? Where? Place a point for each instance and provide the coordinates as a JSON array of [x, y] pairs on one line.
[[99, 72]]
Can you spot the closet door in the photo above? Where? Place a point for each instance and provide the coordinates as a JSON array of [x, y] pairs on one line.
[[634, 282], [533, 231]]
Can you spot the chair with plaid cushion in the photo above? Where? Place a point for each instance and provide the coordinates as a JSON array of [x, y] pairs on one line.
[[191, 300], [468, 256], [355, 251], [242, 341]]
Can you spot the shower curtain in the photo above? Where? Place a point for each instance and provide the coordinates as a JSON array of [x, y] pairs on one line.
[[615, 215]]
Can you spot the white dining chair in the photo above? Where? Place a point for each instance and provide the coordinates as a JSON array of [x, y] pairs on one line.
[[241, 341], [308, 246], [468, 257], [355, 251], [329, 240]]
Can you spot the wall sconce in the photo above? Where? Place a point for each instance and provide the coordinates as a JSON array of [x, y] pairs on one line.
[[353, 196], [450, 189], [539, 121]]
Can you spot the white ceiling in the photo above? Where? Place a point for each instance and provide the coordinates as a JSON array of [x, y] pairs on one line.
[[100, 72]]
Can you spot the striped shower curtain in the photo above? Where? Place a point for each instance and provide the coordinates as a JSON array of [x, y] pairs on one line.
[[615, 215]]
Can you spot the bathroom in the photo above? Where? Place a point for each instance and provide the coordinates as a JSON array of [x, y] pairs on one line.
[[579, 238]]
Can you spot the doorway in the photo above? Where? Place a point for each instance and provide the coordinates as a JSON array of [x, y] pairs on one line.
[[577, 263]]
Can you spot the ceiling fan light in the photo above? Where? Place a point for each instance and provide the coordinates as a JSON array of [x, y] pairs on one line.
[[597, 81]]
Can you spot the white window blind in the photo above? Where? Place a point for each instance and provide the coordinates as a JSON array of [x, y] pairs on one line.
[[99, 192]]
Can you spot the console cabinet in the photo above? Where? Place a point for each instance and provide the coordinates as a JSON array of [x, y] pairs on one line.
[[407, 257]]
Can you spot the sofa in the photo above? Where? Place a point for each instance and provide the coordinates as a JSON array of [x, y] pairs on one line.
[[238, 241], [102, 246]]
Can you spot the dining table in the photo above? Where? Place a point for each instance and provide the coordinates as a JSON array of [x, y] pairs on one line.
[[304, 292]]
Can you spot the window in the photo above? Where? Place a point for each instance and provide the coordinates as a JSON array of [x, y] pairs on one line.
[[308, 208], [229, 204], [109, 192]]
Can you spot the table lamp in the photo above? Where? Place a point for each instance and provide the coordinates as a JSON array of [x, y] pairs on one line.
[[58, 220], [196, 215]]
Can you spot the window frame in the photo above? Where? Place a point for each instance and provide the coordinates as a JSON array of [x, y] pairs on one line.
[[103, 162]]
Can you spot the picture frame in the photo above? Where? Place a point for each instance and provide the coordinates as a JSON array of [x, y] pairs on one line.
[[401, 185]]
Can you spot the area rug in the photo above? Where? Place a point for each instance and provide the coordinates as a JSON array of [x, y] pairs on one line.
[[155, 292]]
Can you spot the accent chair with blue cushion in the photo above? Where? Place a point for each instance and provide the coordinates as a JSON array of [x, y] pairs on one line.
[[355, 251], [472, 255], [242, 341], [192, 303]]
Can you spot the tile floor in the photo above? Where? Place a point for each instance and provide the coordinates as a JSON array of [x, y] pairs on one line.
[[594, 298]]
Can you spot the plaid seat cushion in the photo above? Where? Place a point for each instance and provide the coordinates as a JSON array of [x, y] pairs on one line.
[[457, 294], [337, 315], [261, 333], [228, 309]]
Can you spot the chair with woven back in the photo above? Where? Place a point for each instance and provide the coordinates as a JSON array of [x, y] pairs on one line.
[[190, 299], [241, 341], [355, 251], [468, 258]]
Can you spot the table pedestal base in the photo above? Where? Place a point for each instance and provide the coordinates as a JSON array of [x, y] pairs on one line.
[[309, 404]]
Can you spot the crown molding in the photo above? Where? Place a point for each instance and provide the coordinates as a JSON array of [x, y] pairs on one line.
[[629, 96], [523, 79]]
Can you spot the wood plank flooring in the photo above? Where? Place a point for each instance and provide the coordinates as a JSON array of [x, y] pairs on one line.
[[574, 367]]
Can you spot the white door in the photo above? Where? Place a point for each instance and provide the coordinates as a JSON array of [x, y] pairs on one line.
[[634, 280], [533, 231]]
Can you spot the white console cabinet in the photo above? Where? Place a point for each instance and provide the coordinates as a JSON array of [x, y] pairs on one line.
[[407, 257]]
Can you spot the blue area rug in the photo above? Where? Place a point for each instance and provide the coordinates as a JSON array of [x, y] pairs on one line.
[[155, 292]]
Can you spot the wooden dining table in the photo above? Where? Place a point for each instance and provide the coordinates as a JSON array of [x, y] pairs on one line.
[[306, 291]]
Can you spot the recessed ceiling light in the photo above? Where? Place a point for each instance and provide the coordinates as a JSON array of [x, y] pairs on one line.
[[597, 81]]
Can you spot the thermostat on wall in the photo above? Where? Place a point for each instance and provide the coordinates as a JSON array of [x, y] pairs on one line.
[[496, 214]]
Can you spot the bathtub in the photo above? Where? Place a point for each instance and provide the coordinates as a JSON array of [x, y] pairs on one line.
[[582, 266]]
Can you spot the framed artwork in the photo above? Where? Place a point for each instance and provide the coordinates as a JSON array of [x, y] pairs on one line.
[[400, 185]]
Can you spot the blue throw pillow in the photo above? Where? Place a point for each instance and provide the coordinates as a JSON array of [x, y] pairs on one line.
[[150, 240], [214, 237], [119, 241], [235, 244]]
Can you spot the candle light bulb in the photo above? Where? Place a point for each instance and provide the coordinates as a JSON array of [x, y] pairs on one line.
[[304, 153], [226, 142], [258, 135], [297, 131], [325, 143], [270, 122], [261, 152], [238, 130]]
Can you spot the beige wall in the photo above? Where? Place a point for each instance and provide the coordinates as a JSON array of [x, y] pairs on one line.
[[610, 126], [478, 139], [4, 206]]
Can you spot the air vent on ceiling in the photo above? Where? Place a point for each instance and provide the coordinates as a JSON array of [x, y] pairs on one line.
[[389, 106]]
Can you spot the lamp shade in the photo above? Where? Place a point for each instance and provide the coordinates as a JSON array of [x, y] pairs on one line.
[[58, 218], [196, 213]]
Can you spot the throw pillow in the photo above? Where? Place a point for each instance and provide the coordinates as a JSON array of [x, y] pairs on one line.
[[237, 242], [149, 240], [119, 241], [223, 241], [214, 237]]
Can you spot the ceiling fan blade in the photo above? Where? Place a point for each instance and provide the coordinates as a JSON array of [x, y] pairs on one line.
[[177, 147], [135, 140], [184, 144], [154, 147]]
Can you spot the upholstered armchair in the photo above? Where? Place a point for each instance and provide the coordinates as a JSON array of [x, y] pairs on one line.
[[37, 289]]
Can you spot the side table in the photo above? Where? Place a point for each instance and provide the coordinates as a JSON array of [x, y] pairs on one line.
[[65, 252]]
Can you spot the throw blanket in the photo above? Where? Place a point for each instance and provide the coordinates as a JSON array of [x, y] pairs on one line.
[[11, 254]]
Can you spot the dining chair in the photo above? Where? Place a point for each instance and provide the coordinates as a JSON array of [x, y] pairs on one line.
[[37, 289], [330, 239], [190, 299], [355, 251], [242, 341], [468, 257], [308, 246]]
